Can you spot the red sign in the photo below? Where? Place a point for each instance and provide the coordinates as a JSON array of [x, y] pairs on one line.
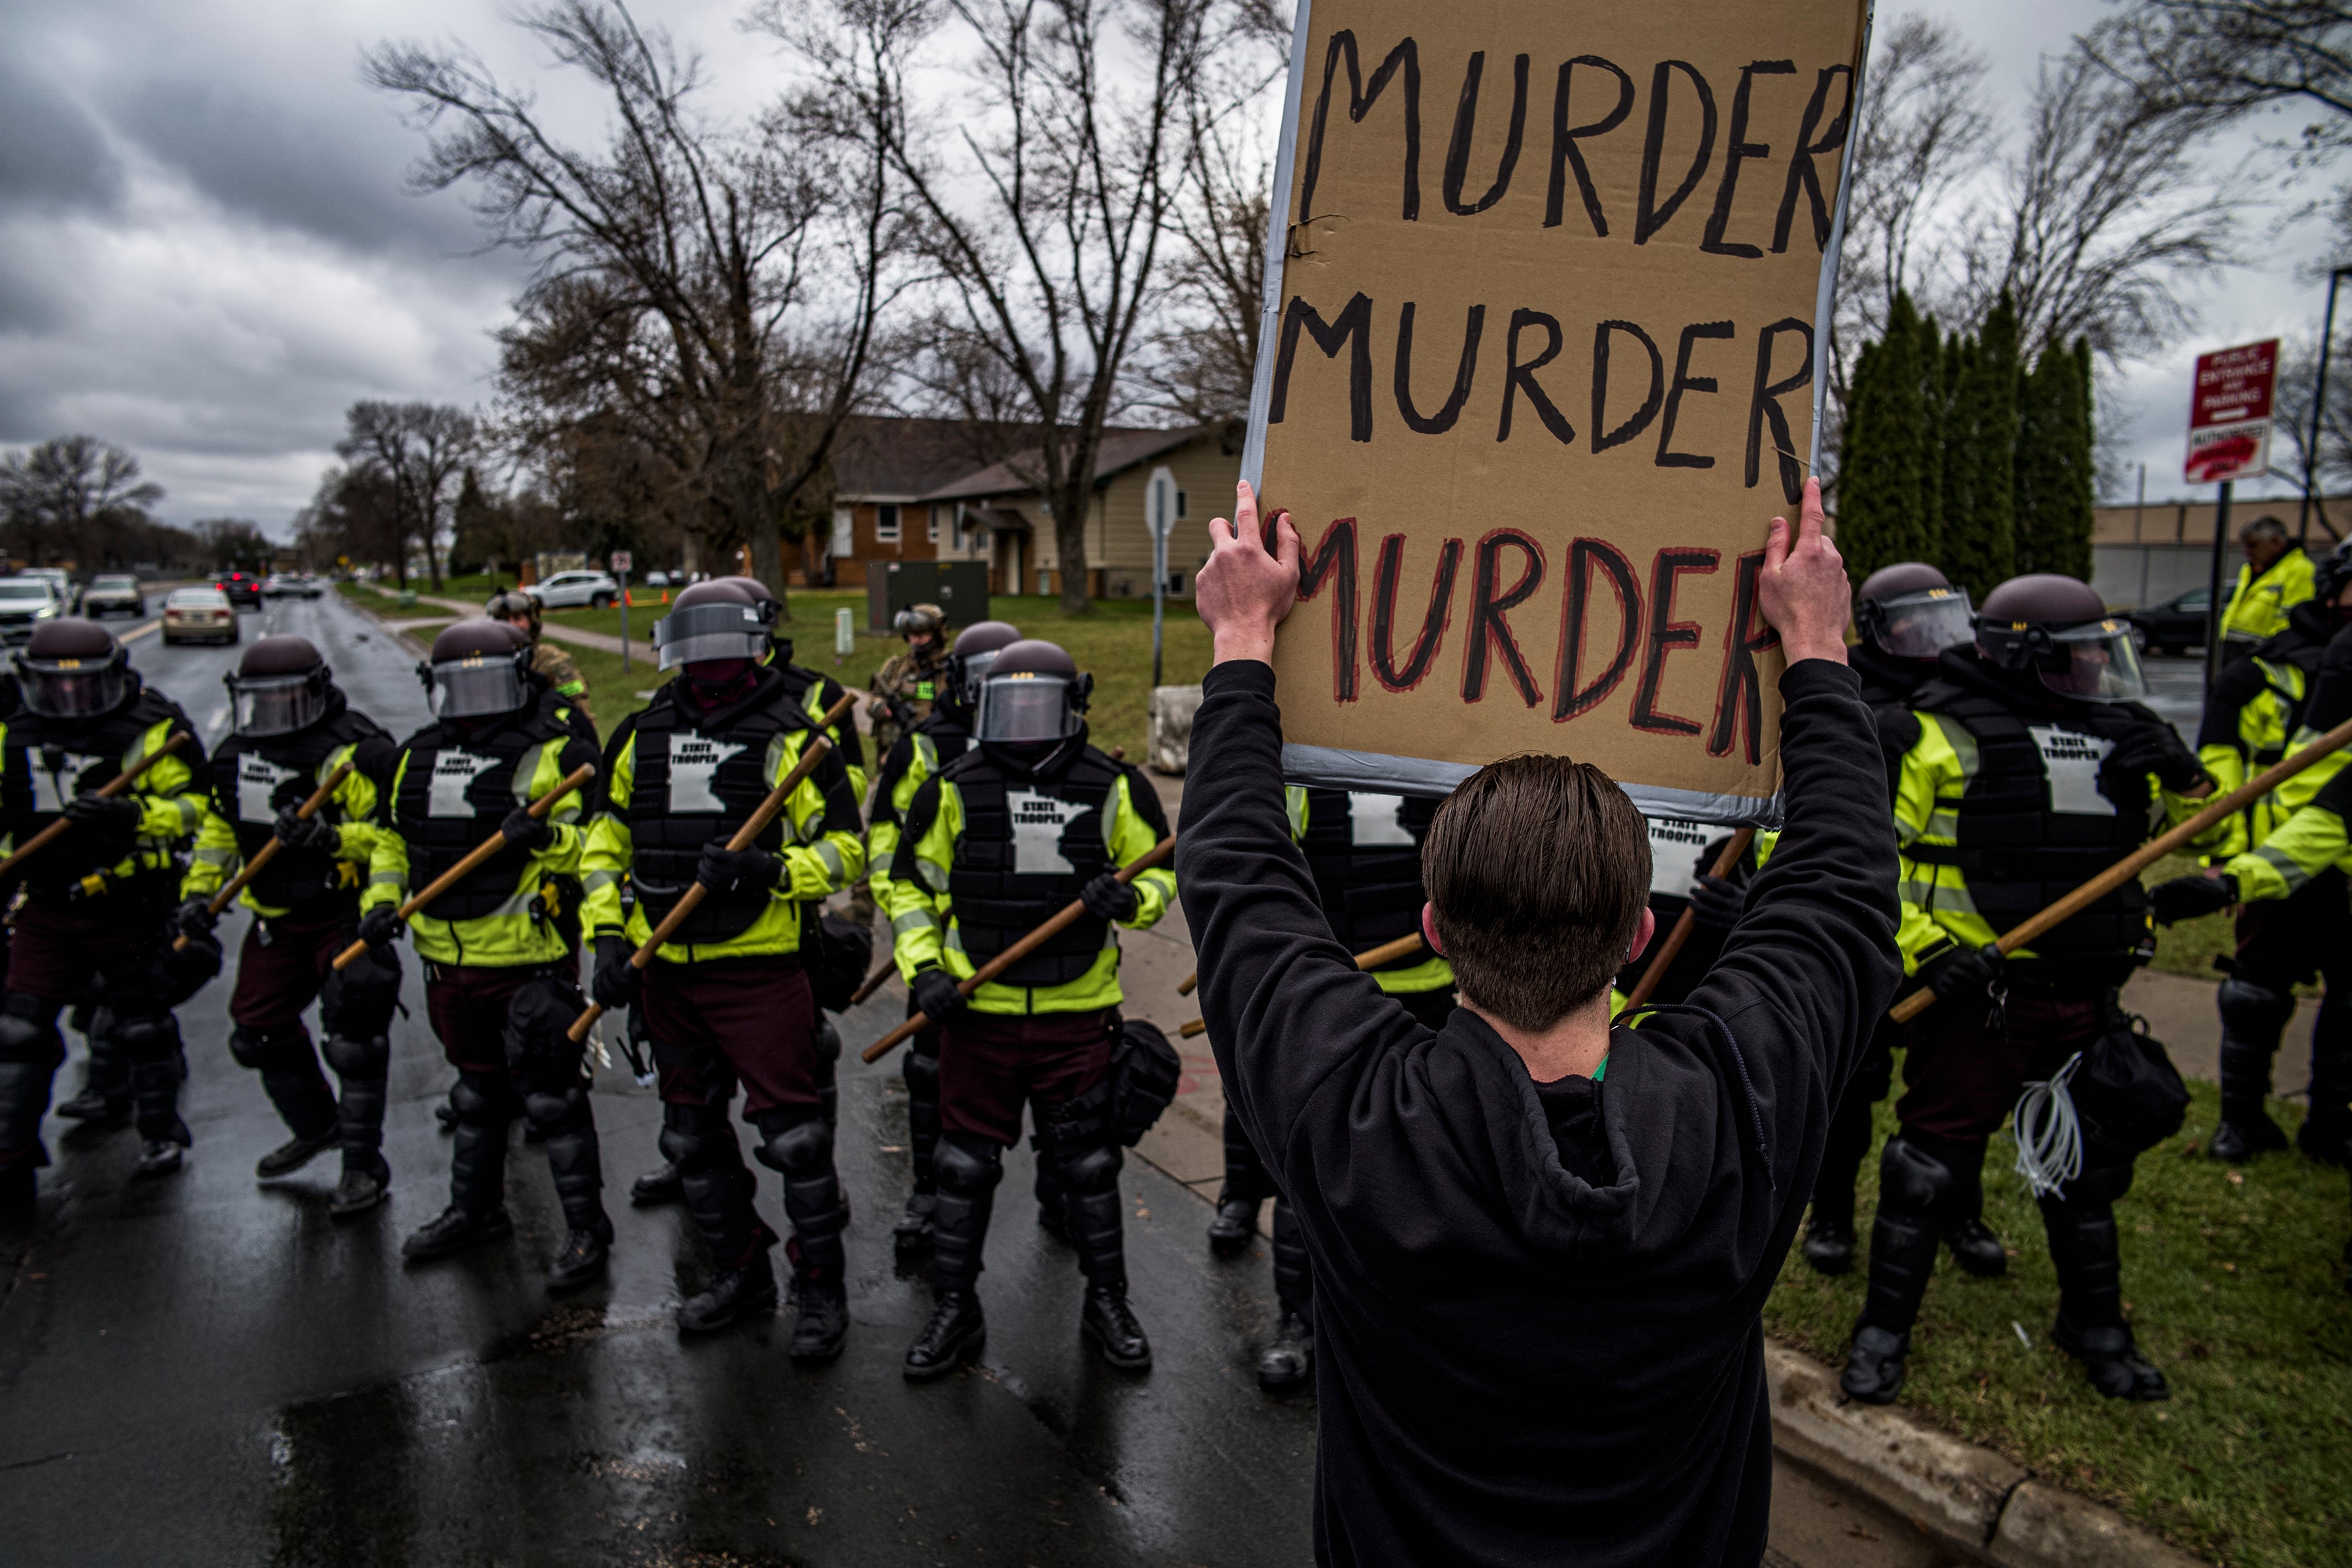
[[2230, 414]]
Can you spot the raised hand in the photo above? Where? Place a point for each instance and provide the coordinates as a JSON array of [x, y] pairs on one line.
[[1242, 591], [1803, 591]]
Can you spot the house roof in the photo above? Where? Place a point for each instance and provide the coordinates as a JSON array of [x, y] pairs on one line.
[[877, 458], [1121, 449]]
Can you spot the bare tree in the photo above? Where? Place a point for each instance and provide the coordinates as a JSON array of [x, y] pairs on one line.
[[1205, 351], [1045, 189], [420, 449], [724, 285], [2100, 218], [73, 497]]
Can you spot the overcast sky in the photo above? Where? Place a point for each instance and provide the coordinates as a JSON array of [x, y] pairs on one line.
[[206, 250]]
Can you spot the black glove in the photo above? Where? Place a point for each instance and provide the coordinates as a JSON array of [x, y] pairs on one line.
[[111, 817], [194, 919], [618, 982], [1108, 899], [725, 870], [297, 832], [936, 993], [2186, 898], [380, 926], [1715, 903], [521, 828], [2157, 749], [1963, 972]]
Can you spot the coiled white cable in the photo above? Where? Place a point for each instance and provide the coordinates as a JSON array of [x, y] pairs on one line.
[[2049, 1134]]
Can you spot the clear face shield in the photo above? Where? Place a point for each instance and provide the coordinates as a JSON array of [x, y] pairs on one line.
[[72, 688], [973, 674], [2095, 662], [1026, 705], [476, 686], [710, 631], [278, 704], [1921, 624]]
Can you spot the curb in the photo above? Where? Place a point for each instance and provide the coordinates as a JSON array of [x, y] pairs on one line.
[[1972, 1498]]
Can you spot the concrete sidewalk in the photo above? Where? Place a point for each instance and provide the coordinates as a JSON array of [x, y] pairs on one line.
[[603, 642]]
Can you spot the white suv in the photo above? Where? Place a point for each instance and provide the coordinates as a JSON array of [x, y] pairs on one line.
[[568, 590]]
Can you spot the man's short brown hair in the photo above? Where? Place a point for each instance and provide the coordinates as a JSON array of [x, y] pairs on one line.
[[1539, 869]]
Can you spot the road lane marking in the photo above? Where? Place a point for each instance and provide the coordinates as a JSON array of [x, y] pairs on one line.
[[135, 633]]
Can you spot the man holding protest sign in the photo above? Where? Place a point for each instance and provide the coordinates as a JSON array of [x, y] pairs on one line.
[[1538, 1294]]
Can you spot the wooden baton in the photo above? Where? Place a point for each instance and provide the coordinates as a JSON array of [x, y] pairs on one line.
[[107, 791], [1688, 923], [753, 826], [2146, 855], [1371, 958], [268, 852], [475, 858], [1061, 920]]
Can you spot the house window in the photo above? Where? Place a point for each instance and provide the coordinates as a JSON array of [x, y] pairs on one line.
[[931, 529], [1175, 582], [845, 535], [886, 523], [1181, 503]]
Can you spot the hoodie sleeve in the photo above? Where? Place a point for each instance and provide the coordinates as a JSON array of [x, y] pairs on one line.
[[1812, 964], [1285, 1005]]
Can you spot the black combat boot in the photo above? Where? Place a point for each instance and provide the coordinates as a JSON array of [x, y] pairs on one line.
[[2252, 1018], [478, 1173], [1098, 1226], [746, 1288], [105, 1094], [1915, 1185], [822, 1298], [798, 1144], [568, 1128], [2084, 1247], [1235, 1224], [1108, 1324], [1289, 1361], [958, 1329], [363, 1067], [291, 1156], [1974, 1246], [157, 1068], [718, 1188], [1977, 1249], [969, 1170]]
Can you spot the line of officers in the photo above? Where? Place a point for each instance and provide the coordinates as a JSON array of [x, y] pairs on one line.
[[993, 814], [2021, 762]]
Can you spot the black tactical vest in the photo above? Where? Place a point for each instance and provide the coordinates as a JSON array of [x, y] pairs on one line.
[[1364, 851], [54, 760], [454, 791], [2036, 822], [798, 679], [694, 784], [253, 779], [1029, 845]]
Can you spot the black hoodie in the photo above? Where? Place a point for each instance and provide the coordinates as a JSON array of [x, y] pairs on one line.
[[1537, 1307]]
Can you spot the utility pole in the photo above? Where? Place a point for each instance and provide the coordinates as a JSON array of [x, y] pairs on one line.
[[2318, 413], [2213, 602]]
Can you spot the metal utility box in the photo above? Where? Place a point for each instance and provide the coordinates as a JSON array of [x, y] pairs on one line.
[[959, 587]]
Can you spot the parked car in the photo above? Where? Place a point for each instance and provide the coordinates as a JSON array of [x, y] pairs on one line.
[[568, 590], [198, 615], [290, 586], [112, 594], [656, 579], [243, 589], [2175, 626], [24, 602]]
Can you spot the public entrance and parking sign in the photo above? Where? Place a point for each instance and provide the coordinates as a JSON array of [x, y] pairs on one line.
[[2230, 414]]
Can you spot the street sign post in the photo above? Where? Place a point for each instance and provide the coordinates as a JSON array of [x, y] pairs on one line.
[[622, 561], [2228, 439], [1160, 504]]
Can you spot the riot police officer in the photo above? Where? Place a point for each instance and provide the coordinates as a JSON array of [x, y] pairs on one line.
[[726, 999], [1906, 614], [2034, 769], [500, 976], [552, 664], [2282, 860], [98, 900], [293, 730], [1007, 835], [936, 739]]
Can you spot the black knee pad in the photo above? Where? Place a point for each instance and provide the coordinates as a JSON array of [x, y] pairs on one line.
[[361, 1058], [692, 1136], [557, 1111], [798, 1145], [262, 1050], [968, 1165], [482, 1100], [2254, 1012], [1912, 1177], [149, 1037], [28, 1031], [1091, 1170]]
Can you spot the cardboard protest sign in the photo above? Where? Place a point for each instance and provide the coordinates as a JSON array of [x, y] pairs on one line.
[[1537, 369]]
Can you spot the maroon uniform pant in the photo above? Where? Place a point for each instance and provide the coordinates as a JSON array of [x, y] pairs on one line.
[[993, 1064], [727, 1020]]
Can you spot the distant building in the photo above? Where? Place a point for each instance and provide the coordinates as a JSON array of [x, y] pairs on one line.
[[920, 490], [2148, 553]]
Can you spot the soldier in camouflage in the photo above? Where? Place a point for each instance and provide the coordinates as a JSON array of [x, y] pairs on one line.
[[909, 681], [521, 610]]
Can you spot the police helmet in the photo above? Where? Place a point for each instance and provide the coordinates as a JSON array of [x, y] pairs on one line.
[[1033, 691], [478, 669], [512, 606], [73, 668], [281, 686], [718, 619], [1912, 611], [2059, 629], [920, 618], [976, 648]]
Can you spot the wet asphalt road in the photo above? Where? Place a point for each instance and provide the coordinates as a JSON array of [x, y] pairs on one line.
[[206, 1369]]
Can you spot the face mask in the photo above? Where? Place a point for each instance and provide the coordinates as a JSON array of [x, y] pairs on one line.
[[713, 683]]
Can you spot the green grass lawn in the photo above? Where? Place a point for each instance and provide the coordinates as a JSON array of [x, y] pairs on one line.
[[2234, 1282]]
